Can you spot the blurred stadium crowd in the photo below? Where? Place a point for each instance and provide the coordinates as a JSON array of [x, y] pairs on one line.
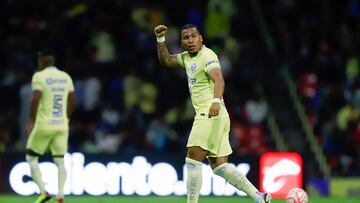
[[125, 101], [320, 43]]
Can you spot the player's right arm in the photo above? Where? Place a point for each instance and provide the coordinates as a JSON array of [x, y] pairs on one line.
[[163, 54]]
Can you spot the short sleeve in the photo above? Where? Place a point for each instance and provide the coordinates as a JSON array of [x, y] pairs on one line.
[[180, 59], [36, 82], [211, 62]]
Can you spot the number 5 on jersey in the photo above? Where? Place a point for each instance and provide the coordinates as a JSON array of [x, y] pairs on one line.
[[57, 107]]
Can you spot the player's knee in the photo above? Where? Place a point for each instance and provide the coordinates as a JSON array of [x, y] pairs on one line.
[[217, 161], [32, 160], [196, 153], [29, 158], [59, 162], [191, 155]]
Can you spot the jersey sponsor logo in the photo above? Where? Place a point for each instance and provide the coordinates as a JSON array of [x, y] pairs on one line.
[[211, 62], [193, 67], [52, 81], [280, 172]]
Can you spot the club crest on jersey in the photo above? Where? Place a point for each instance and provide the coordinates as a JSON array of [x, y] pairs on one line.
[[193, 67]]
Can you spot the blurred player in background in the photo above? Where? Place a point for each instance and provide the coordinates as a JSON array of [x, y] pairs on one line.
[[209, 136], [51, 107]]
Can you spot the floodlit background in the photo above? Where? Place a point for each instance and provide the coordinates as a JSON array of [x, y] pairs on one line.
[[291, 69]]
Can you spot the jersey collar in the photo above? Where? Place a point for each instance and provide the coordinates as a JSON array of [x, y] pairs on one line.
[[200, 52]]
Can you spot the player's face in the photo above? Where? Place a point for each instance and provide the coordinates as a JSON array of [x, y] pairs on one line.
[[191, 40]]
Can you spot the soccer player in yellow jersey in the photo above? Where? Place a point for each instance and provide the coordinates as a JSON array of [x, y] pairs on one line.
[[51, 107], [209, 136]]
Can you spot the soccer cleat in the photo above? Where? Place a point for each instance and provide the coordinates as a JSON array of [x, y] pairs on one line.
[[43, 198], [61, 200], [266, 198]]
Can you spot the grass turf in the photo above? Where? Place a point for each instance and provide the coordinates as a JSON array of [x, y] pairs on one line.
[[155, 199]]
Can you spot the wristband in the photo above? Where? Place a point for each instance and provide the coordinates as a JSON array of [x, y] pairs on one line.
[[216, 100], [160, 39]]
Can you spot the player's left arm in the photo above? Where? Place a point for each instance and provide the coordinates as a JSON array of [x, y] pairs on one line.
[[217, 77], [33, 110]]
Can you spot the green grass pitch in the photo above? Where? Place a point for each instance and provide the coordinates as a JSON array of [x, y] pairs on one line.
[[155, 199]]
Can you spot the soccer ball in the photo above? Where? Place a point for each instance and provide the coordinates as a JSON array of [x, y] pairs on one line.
[[297, 195]]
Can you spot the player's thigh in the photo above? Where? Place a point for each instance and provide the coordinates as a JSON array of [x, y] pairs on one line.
[[38, 140], [59, 143]]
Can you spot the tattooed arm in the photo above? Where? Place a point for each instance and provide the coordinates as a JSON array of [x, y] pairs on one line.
[[163, 54]]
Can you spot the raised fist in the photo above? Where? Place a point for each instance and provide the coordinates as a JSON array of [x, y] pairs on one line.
[[160, 30]]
